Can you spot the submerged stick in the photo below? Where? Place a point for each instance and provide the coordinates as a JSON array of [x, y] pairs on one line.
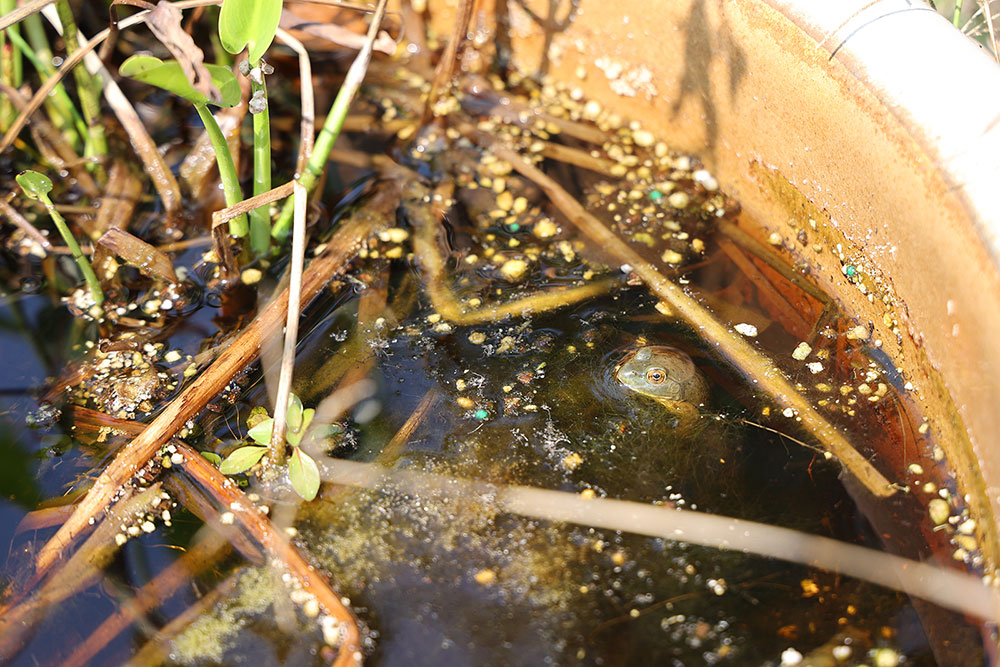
[[446, 66], [753, 364], [433, 265], [341, 249], [948, 588], [251, 519]]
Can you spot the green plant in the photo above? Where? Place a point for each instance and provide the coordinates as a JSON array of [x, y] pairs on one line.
[[250, 25], [169, 76], [38, 186], [303, 472]]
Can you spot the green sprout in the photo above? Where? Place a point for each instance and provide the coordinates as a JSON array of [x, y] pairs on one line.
[[303, 472], [38, 186], [169, 76], [251, 24]]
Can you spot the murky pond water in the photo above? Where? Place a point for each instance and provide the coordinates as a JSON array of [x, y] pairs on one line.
[[528, 397]]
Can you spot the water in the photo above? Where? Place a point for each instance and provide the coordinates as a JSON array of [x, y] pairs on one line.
[[449, 579]]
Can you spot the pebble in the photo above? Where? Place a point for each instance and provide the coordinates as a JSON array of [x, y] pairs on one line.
[[939, 510], [746, 329], [514, 269], [643, 138], [801, 351]]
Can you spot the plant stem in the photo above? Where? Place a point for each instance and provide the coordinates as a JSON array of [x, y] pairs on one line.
[[88, 88], [227, 170], [334, 121], [74, 248], [260, 218], [61, 111]]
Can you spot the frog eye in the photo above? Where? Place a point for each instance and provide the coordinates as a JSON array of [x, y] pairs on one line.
[[656, 376]]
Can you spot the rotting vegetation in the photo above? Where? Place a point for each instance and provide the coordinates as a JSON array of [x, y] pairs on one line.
[[494, 245]]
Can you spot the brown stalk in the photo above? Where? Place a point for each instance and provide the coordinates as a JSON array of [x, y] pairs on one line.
[[21, 223], [754, 365], [243, 350], [18, 14], [254, 522], [449, 59], [20, 616], [119, 199]]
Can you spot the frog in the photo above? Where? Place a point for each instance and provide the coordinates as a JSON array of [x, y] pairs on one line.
[[666, 375]]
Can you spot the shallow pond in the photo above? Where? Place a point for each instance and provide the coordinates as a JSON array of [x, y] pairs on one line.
[[528, 397]]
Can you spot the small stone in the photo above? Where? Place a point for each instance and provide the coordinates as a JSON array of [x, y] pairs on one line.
[[545, 229], [572, 461], [465, 402], [672, 257], [679, 199], [514, 269], [485, 577], [746, 329], [859, 332], [705, 179], [916, 469], [885, 657], [477, 338], [774, 238], [938, 510], [967, 527], [172, 356], [790, 657], [481, 414], [643, 138], [815, 367], [801, 351], [251, 276], [505, 200], [841, 653]]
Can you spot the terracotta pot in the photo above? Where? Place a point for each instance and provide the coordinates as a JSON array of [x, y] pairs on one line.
[[870, 127]]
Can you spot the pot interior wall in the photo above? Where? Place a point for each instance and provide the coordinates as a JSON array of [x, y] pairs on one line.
[[799, 117]]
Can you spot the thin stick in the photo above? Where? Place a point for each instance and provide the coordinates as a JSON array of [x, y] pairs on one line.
[[29, 229], [754, 365], [338, 111], [948, 588], [446, 66], [434, 270], [21, 13], [251, 519], [341, 249], [985, 7], [276, 453], [202, 555], [307, 125]]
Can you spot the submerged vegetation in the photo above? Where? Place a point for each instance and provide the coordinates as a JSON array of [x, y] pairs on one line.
[[532, 315]]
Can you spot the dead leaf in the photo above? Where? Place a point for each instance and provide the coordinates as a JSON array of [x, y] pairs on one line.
[[138, 253], [165, 22]]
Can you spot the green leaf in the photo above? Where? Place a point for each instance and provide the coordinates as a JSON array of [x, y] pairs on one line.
[[257, 415], [303, 474], [34, 183], [248, 24], [168, 75], [213, 458], [262, 431], [242, 459], [293, 417], [307, 417]]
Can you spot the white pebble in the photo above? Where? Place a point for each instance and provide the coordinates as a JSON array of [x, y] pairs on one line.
[[746, 329]]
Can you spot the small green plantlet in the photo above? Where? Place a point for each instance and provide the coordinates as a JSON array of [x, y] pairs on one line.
[[303, 472], [168, 75], [251, 24], [38, 186]]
